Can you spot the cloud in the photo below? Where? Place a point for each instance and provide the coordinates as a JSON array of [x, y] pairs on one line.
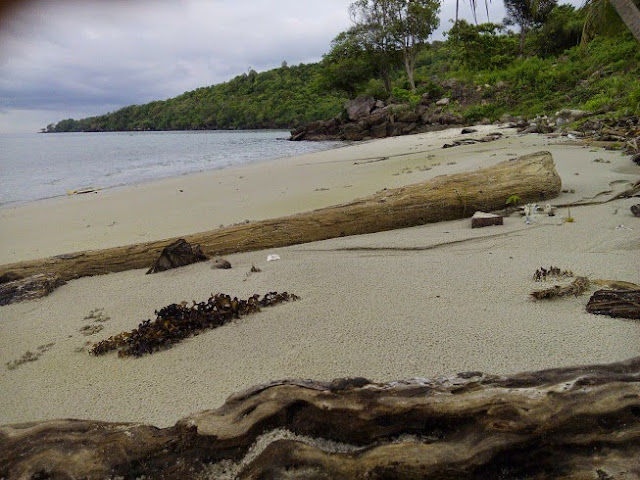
[[80, 56]]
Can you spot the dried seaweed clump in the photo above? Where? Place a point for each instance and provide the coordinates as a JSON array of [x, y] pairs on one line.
[[552, 272], [176, 322], [575, 288]]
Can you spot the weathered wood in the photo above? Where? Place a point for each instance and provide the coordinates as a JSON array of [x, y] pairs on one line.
[[178, 254], [615, 303], [578, 422], [482, 219], [29, 288], [532, 177]]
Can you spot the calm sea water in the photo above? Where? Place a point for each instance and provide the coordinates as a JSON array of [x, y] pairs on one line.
[[36, 166]]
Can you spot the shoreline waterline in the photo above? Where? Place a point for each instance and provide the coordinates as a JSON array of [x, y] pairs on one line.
[[37, 167]]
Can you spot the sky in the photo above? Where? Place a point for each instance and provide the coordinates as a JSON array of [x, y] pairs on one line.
[[77, 58]]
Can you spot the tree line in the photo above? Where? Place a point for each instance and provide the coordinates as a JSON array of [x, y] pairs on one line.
[[386, 53]]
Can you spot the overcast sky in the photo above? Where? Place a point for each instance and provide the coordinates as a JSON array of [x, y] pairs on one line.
[[77, 58]]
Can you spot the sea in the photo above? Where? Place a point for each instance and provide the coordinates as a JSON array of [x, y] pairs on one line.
[[38, 166]]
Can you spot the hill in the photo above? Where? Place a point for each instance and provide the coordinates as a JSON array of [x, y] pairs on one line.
[[494, 72]]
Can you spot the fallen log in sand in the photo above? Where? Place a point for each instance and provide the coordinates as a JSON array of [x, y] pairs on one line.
[[578, 422], [532, 177]]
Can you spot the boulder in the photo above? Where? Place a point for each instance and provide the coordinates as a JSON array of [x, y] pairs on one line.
[[379, 116], [359, 108], [442, 102], [353, 131], [408, 117], [380, 131]]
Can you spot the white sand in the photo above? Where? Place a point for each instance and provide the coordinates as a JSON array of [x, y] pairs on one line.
[[424, 301]]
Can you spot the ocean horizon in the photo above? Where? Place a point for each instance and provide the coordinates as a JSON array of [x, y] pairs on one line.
[[35, 166]]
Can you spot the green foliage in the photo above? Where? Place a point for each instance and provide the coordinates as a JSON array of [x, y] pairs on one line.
[[512, 200], [561, 30], [279, 98], [476, 113], [348, 66], [479, 62], [480, 47]]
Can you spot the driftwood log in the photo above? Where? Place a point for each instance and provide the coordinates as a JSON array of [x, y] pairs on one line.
[[615, 303], [579, 422], [29, 288], [532, 177]]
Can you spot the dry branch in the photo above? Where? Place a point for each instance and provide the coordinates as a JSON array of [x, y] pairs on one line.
[[532, 177], [578, 422], [575, 288]]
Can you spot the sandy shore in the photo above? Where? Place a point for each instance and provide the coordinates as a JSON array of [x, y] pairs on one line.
[[423, 301]]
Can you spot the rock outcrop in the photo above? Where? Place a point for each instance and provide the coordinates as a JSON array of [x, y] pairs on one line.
[[365, 118], [577, 422]]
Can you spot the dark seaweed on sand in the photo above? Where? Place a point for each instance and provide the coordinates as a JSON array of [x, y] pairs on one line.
[[176, 322]]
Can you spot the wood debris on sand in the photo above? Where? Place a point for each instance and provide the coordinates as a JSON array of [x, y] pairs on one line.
[[576, 422], [446, 197]]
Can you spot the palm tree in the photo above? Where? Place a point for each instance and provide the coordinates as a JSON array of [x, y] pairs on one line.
[[630, 15], [473, 4], [599, 15]]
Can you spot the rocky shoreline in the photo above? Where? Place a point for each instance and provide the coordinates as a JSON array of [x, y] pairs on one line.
[[366, 118]]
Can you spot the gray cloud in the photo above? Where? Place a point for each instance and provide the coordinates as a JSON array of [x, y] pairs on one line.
[[76, 57]]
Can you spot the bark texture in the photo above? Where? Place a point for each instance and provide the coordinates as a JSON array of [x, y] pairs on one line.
[[630, 15], [616, 303], [29, 288], [579, 422], [532, 177]]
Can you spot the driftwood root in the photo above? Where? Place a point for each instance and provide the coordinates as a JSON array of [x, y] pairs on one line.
[[578, 422]]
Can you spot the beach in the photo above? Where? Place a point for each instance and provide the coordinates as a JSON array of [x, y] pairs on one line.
[[418, 302]]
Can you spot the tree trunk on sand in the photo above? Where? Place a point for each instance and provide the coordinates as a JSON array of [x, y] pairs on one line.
[[577, 422], [532, 177], [630, 15]]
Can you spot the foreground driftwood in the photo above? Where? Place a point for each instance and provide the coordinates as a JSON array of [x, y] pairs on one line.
[[581, 422], [29, 288], [531, 177], [615, 303]]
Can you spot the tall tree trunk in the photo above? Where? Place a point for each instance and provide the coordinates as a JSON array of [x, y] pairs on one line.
[[630, 15], [409, 67], [523, 35]]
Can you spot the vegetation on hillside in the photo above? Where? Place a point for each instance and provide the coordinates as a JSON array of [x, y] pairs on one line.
[[545, 66], [279, 98]]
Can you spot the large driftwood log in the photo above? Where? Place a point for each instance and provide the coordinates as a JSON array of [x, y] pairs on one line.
[[579, 422], [532, 177]]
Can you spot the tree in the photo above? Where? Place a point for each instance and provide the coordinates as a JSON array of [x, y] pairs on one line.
[[527, 14], [599, 16], [348, 65], [395, 27], [473, 4], [413, 21], [373, 25], [630, 15]]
